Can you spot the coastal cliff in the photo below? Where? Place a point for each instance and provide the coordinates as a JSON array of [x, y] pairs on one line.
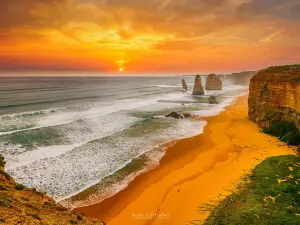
[[198, 88], [274, 95], [242, 78], [21, 205], [213, 82]]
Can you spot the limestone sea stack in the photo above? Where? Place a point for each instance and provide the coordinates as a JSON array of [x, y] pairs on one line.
[[274, 95], [213, 82], [184, 85], [198, 88]]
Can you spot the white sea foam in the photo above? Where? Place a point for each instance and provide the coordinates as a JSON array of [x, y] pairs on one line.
[[97, 110], [77, 135], [166, 86]]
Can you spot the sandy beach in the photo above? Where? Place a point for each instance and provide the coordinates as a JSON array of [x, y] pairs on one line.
[[193, 172]]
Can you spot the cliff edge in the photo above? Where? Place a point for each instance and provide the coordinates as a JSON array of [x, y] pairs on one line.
[[274, 95], [21, 205]]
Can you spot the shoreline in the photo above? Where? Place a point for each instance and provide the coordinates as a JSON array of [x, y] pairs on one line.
[[192, 172]]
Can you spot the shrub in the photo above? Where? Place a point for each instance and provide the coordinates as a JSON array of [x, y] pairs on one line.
[[36, 216], [286, 131], [60, 208], [49, 204], [288, 188], [25, 199], [2, 220], [20, 187], [79, 217], [73, 222], [4, 203], [2, 187], [2, 162], [291, 138]]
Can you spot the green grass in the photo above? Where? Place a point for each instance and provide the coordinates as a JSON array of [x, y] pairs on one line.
[[20, 187], [285, 131], [262, 199]]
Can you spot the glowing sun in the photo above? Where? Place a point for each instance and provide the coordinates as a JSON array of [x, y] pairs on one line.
[[121, 69]]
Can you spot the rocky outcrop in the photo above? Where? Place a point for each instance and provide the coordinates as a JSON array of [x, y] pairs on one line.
[[187, 115], [213, 82], [212, 100], [175, 115], [21, 205], [198, 88], [274, 95], [184, 85]]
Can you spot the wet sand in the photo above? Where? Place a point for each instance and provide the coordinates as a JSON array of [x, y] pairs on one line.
[[194, 171]]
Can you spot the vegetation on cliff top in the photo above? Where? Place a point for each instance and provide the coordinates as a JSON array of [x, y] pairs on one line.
[[21, 205], [269, 195]]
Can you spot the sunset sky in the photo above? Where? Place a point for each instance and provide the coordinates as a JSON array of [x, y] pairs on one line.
[[148, 36]]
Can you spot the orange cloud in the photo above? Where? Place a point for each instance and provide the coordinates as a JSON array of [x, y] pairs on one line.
[[154, 35]]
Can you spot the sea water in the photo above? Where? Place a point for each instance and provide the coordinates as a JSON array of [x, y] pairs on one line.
[[83, 139]]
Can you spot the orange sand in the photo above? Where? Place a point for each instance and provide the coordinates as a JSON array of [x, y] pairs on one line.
[[193, 172]]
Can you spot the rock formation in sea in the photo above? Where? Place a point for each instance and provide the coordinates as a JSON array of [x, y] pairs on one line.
[[175, 115], [22, 205], [198, 88], [187, 115], [213, 82], [184, 85], [274, 95], [212, 100]]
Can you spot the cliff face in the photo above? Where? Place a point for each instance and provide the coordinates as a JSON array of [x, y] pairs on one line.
[[184, 85], [198, 88], [213, 82], [21, 205], [274, 94]]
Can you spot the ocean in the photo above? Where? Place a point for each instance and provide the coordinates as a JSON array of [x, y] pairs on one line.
[[83, 139]]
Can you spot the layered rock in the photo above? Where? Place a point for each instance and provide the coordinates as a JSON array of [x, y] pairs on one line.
[[198, 88], [213, 82], [274, 95], [184, 85]]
